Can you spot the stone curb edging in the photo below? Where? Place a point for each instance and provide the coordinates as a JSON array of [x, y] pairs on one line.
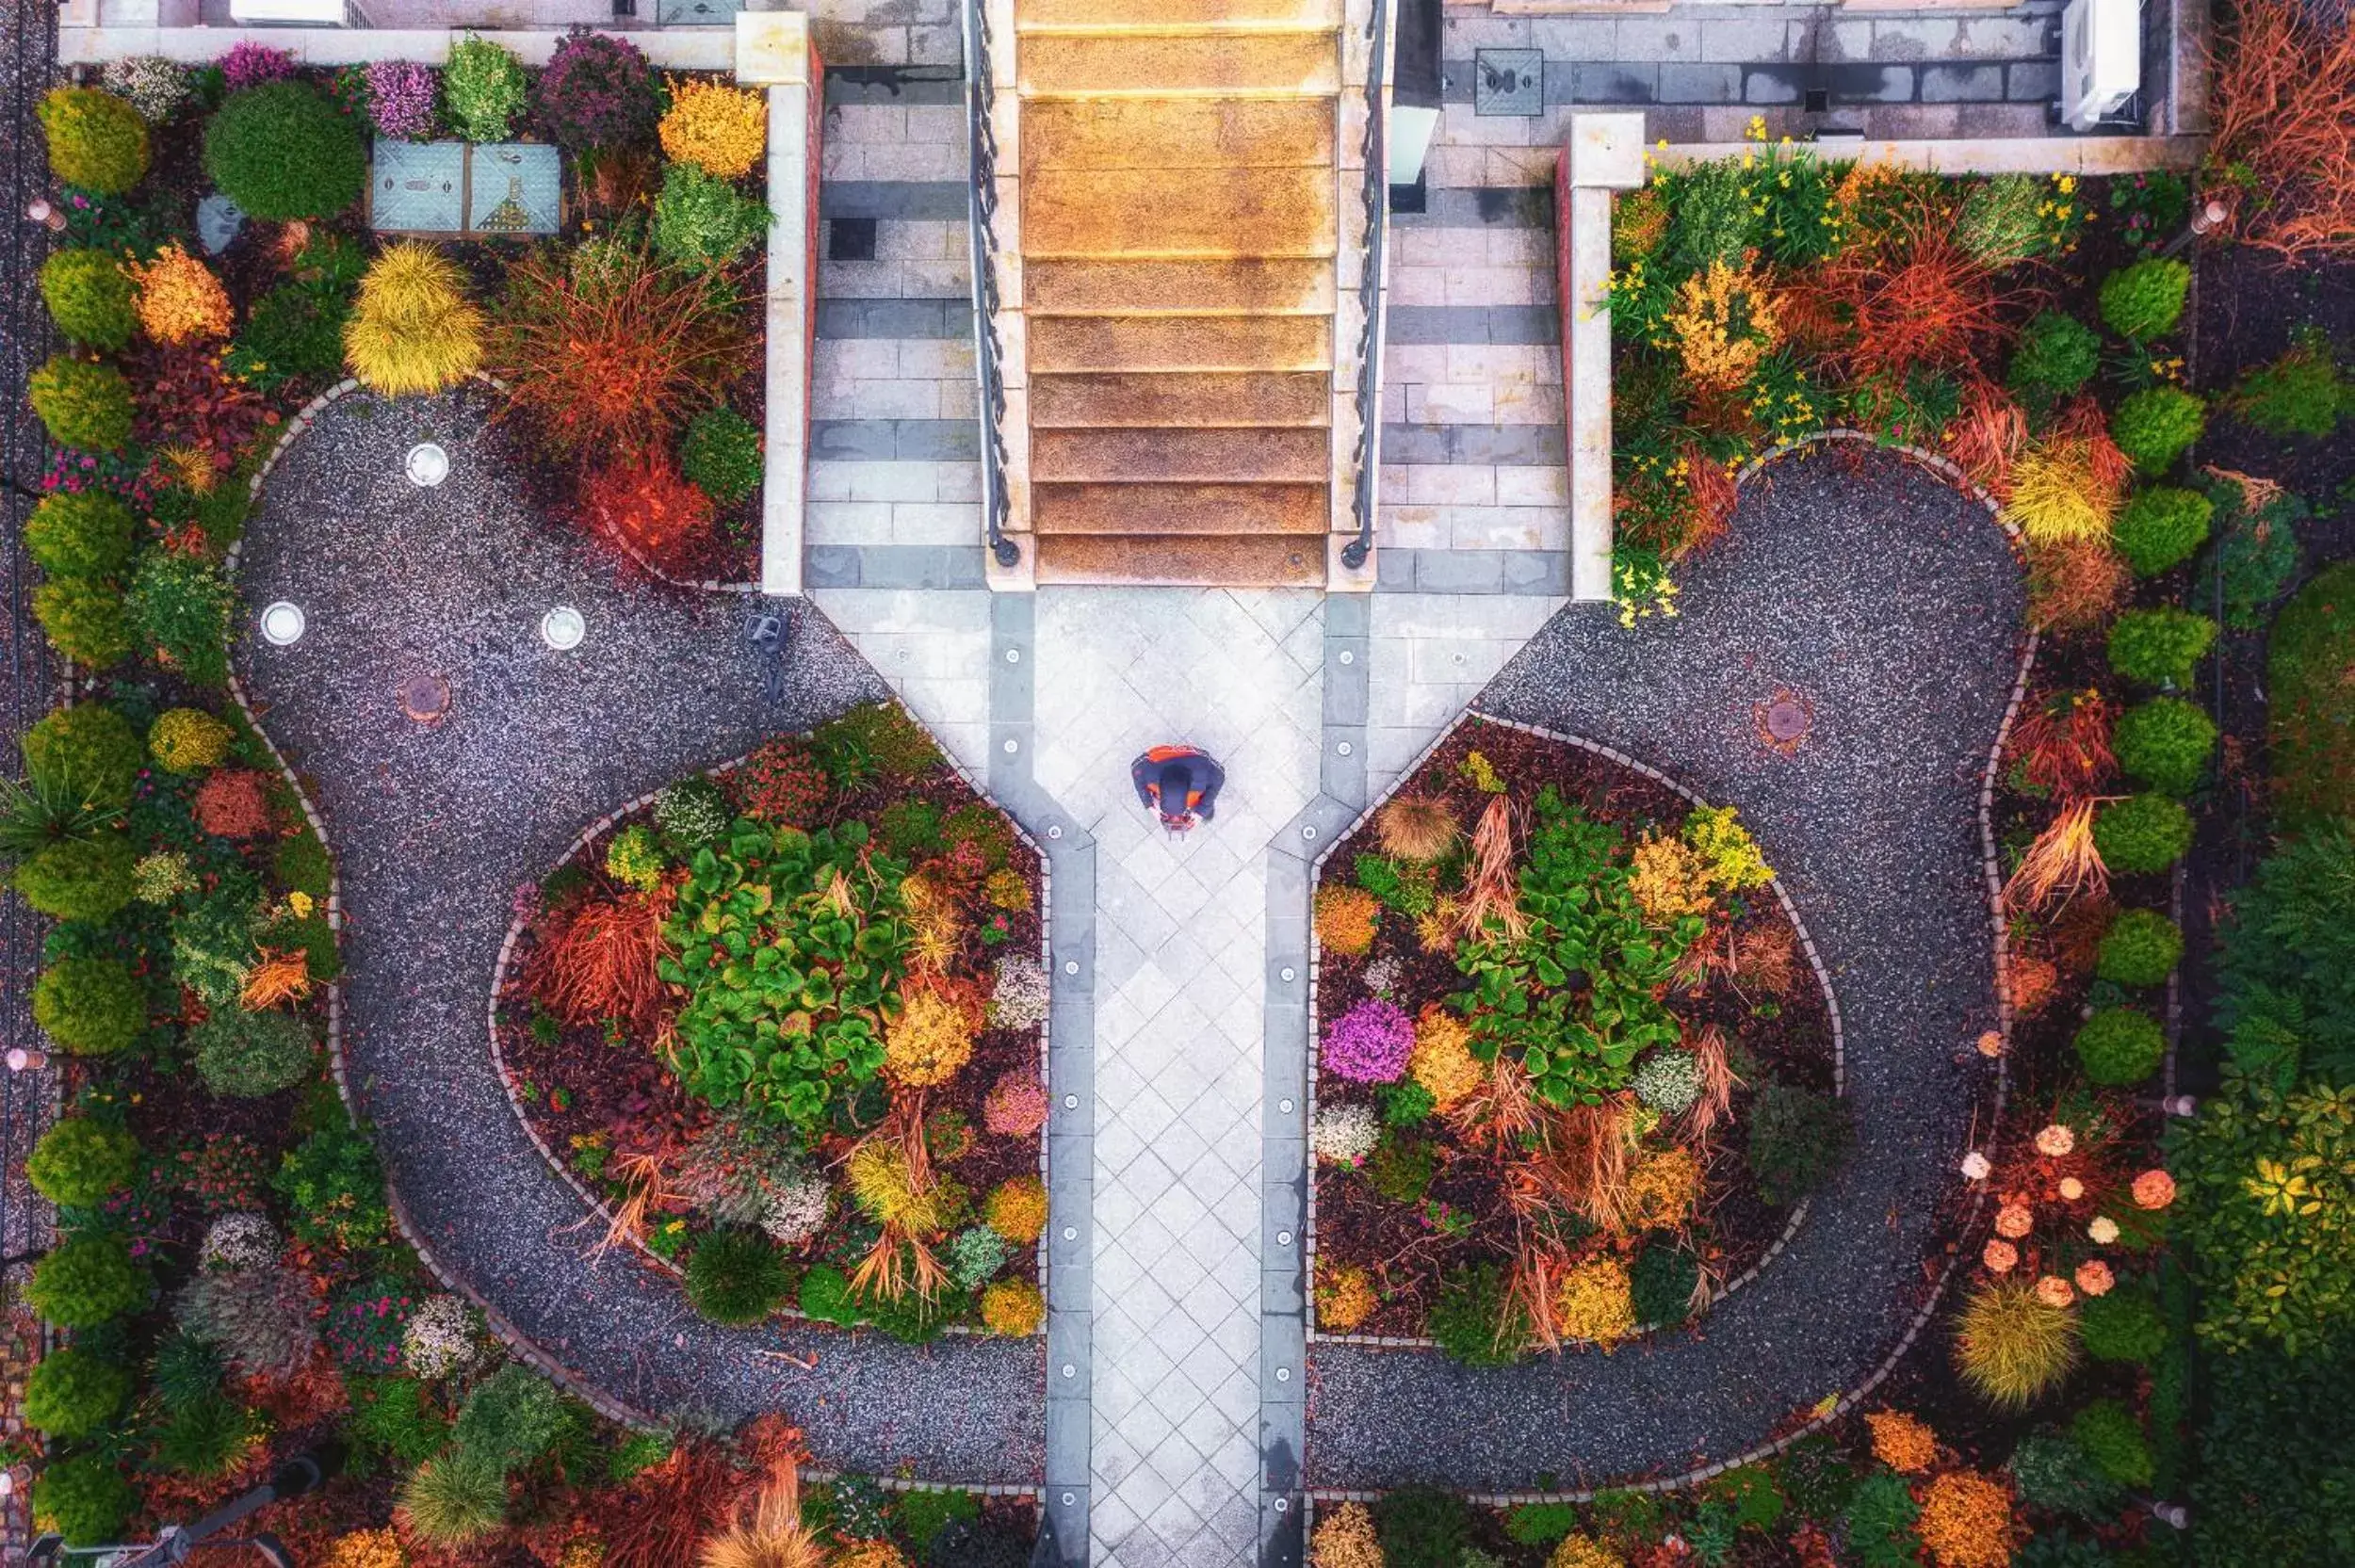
[[1316, 962], [597, 1204], [519, 1344], [1976, 1202]]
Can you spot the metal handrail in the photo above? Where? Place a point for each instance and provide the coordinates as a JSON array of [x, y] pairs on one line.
[[982, 213], [1370, 296]]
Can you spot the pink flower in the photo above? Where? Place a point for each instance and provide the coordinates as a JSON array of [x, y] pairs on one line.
[[2014, 1220], [2094, 1277], [2071, 1188], [2054, 1141], [1369, 1043], [2154, 1190], [2053, 1291], [2001, 1257]]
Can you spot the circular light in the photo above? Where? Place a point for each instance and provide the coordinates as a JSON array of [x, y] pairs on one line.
[[1308, 832], [1071, 1232], [1014, 655], [1283, 1239], [1071, 967], [1069, 1370], [1012, 747], [1055, 832], [1283, 1374], [282, 624], [427, 464], [1071, 1101], [1069, 1498], [563, 628], [1348, 657], [1288, 972], [1344, 747], [1283, 1504], [1284, 1105]]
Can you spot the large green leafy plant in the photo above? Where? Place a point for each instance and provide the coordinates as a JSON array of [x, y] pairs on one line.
[[790, 945], [1575, 997]]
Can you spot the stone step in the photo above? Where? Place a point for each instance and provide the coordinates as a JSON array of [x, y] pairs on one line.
[[1148, 212], [1208, 63], [1165, 343], [1178, 133], [1181, 561], [1145, 456], [1158, 15], [1301, 399], [1137, 509], [1250, 286]]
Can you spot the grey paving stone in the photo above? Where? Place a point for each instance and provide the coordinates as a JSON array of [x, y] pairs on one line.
[[1771, 84], [1681, 83], [1913, 38], [1612, 82], [1961, 84], [1493, 445], [901, 440], [1867, 84], [2031, 81], [1459, 571], [1656, 38], [1496, 206], [1745, 42], [920, 566], [830, 566], [889, 83], [1473, 324], [918, 198], [1536, 571], [1573, 38]]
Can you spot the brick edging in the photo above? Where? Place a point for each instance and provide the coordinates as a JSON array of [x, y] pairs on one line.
[[1976, 1202]]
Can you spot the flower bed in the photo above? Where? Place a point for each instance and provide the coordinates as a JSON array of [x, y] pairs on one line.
[[785, 1023], [1574, 1069]]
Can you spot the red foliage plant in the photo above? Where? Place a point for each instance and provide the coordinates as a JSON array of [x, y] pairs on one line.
[[235, 803], [654, 510], [602, 963], [2083, 421], [1912, 295], [2282, 104], [2074, 586], [1989, 433], [610, 349], [183, 398], [783, 783], [2062, 744]]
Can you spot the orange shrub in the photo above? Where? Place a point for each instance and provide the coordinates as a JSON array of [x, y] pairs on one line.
[[1905, 1445], [1017, 1211], [649, 507], [1345, 1297], [931, 1039], [1013, 1308], [1347, 918], [180, 301], [1442, 1061], [1966, 1521], [1345, 1539]]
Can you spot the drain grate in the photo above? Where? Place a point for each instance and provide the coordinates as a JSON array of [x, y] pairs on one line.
[[1508, 81]]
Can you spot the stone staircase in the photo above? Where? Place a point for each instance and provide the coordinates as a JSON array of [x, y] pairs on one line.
[[1173, 329]]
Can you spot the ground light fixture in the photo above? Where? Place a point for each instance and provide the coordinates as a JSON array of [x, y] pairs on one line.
[[563, 628], [283, 624], [427, 464]]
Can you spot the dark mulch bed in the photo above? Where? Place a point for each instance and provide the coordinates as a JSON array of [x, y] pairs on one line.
[[1735, 1225]]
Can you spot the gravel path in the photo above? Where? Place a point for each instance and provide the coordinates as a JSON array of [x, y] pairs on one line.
[[1891, 602], [435, 829]]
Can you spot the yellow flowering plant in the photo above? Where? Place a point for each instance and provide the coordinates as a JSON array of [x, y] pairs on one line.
[[720, 129]]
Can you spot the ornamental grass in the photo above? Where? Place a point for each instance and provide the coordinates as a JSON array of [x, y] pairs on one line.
[[769, 1534], [2282, 104], [2009, 1346], [2057, 496], [412, 330], [2061, 745], [1417, 828], [603, 963], [2064, 863]]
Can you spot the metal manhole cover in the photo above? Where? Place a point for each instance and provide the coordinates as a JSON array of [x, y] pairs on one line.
[[1783, 720], [1509, 81], [425, 698]]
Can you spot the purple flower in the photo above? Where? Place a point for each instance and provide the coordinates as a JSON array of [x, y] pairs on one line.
[[1369, 1043], [400, 99], [250, 64]]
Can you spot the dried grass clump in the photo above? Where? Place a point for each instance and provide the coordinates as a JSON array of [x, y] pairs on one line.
[[2063, 864], [2075, 587], [1767, 957], [1417, 828], [2281, 101], [772, 1535], [1492, 888], [278, 977]]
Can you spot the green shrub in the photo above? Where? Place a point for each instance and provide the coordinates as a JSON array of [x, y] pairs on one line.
[[913, 1320], [738, 1277], [721, 455], [455, 1498], [90, 744], [701, 222], [89, 298], [2119, 1046], [83, 1499], [482, 89], [1663, 1282], [91, 1005], [85, 620], [78, 879], [334, 1189], [282, 152], [2255, 557], [910, 827], [2141, 949], [204, 1437], [2056, 1472], [2273, 1477], [1540, 1523], [1401, 1168], [1474, 1319], [2125, 1325], [80, 1161], [1421, 1527], [2263, 1220], [2311, 726], [96, 141], [244, 1056], [2142, 832], [511, 1418], [82, 533], [2145, 300], [2286, 972], [2161, 526], [2160, 647], [190, 740], [390, 1415], [74, 1393], [2153, 426], [88, 1280], [295, 331], [2057, 354], [2298, 395], [2112, 1437], [924, 1513], [872, 739], [825, 1296], [1881, 1521], [179, 605], [1798, 1137], [2165, 742], [81, 403]]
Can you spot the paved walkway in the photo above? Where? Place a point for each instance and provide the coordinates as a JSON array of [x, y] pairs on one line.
[[434, 830]]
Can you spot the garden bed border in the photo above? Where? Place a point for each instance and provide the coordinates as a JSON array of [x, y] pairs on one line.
[[517, 1343], [1316, 966], [1822, 1415]]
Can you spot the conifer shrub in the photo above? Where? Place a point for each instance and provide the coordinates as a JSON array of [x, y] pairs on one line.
[[74, 1393], [87, 1279], [2057, 354], [2146, 300], [84, 533], [484, 89], [81, 403], [244, 1056], [2142, 833], [282, 152], [2161, 526], [90, 744], [2166, 743], [2125, 1325], [85, 1499], [188, 740], [2141, 949], [2159, 647], [79, 879], [88, 296], [2119, 1046], [96, 141], [2154, 426], [85, 619], [80, 1161], [2301, 394]]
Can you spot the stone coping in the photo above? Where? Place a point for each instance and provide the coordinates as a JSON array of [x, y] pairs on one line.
[[1316, 966], [1834, 1409], [2001, 156], [669, 48], [597, 1203]]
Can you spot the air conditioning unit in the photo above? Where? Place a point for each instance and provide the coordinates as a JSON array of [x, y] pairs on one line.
[[2100, 59]]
